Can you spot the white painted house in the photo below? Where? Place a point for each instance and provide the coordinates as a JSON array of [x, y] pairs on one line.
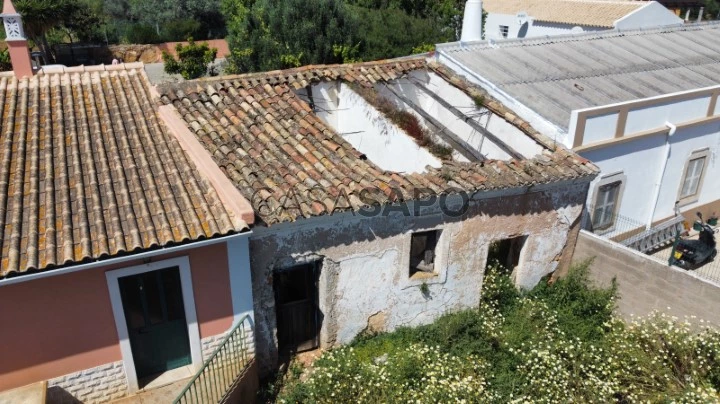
[[642, 105], [508, 19]]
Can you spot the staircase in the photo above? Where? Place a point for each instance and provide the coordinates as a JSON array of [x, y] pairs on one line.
[[656, 237], [223, 372]]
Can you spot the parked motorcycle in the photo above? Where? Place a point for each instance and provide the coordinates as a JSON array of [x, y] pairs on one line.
[[690, 254]]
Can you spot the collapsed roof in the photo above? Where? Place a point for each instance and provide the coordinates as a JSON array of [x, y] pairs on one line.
[[290, 164]]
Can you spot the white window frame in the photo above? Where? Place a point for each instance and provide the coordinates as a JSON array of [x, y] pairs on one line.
[[504, 31], [607, 180], [695, 155], [112, 277]]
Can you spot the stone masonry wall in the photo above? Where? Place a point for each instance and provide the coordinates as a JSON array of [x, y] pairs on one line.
[[108, 382], [364, 281], [646, 284], [96, 385]]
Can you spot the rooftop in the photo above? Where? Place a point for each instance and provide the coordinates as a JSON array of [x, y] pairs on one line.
[[556, 75], [88, 171], [594, 13], [290, 164]]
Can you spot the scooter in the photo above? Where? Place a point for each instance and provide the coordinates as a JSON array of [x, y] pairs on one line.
[[690, 254]]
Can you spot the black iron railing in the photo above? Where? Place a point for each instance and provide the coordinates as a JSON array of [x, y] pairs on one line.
[[218, 375]]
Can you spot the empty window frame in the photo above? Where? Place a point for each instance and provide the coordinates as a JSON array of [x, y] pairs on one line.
[[693, 175], [422, 252], [504, 29]]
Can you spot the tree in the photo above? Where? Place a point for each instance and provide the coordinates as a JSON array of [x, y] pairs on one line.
[[5, 63], [271, 34], [42, 16], [193, 60]]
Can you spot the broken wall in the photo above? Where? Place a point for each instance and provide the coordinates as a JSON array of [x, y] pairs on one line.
[[364, 282]]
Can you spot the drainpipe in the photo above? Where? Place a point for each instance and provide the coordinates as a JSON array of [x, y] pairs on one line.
[[672, 128]]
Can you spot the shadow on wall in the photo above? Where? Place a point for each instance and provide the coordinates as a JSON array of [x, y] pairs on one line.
[[58, 395]]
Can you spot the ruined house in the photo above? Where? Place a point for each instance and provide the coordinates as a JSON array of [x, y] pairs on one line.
[[381, 190]]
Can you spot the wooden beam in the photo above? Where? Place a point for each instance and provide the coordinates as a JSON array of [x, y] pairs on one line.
[[468, 120], [446, 134]]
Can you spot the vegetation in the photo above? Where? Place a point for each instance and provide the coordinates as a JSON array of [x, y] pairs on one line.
[[192, 62], [557, 343], [272, 34], [406, 121], [5, 63]]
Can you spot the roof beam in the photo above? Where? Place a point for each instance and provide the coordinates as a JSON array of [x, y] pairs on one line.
[[471, 122], [446, 134]]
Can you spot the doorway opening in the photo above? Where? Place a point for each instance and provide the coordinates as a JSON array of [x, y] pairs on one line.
[[297, 309], [506, 253], [156, 322]]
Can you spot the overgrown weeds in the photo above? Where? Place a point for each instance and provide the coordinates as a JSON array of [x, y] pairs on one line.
[[406, 121], [559, 342]]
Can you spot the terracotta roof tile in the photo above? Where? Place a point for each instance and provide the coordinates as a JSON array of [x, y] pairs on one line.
[[87, 172], [596, 13], [288, 152]]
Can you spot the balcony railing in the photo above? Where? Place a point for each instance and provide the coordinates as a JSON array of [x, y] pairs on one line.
[[633, 233], [219, 374]]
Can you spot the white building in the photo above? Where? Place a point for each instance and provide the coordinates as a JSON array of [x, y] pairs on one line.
[[642, 105], [534, 18]]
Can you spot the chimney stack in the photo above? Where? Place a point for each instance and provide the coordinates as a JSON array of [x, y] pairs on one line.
[[472, 21], [17, 43]]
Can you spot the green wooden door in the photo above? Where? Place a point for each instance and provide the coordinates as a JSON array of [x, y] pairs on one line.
[[155, 316]]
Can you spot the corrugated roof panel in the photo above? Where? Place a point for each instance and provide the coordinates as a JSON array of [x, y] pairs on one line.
[[611, 66]]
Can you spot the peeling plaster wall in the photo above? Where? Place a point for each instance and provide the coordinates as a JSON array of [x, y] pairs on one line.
[[367, 129], [364, 282]]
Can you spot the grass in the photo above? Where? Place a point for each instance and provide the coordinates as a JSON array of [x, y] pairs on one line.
[[559, 342]]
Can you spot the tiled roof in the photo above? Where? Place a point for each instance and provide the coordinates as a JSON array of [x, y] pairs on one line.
[[557, 75], [87, 171], [595, 13], [291, 165]]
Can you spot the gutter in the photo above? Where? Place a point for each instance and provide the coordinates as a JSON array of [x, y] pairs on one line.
[[671, 131], [148, 255]]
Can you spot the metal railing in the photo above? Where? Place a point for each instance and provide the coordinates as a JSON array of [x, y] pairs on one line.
[[618, 228], [218, 375], [634, 234]]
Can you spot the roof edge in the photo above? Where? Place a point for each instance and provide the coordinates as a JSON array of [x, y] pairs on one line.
[[201, 158]]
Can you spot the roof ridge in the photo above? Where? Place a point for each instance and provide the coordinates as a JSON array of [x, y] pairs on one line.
[[585, 36]]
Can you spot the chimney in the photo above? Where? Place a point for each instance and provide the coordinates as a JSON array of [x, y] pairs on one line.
[[16, 41], [472, 21]]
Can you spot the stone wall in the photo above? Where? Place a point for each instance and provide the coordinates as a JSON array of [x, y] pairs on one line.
[[646, 284], [96, 385], [364, 281]]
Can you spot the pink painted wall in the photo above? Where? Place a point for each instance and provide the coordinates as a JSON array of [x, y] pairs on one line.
[[63, 324]]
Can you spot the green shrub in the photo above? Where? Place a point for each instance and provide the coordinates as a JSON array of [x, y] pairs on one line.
[[180, 30], [193, 60], [559, 342], [141, 34], [5, 63]]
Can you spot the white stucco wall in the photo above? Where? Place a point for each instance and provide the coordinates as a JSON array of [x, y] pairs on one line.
[[531, 27], [367, 130], [364, 277], [653, 14], [642, 160]]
